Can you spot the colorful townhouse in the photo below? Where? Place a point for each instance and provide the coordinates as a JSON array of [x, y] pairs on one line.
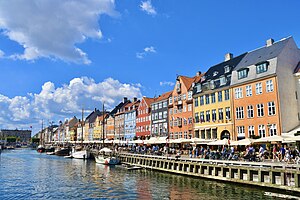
[[130, 119], [73, 128], [110, 122], [80, 130], [265, 90], [159, 115], [119, 120], [212, 101], [181, 108], [89, 125], [143, 121], [100, 133]]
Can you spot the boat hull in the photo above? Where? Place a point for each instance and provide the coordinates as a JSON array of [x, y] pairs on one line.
[[85, 154], [107, 160], [62, 152]]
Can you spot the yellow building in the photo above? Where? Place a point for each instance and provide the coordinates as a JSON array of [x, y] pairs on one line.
[[98, 128], [212, 101]]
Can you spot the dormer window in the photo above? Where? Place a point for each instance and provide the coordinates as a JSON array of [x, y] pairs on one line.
[[227, 69], [198, 87], [212, 84], [215, 73], [262, 67], [243, 73], [222, 80]]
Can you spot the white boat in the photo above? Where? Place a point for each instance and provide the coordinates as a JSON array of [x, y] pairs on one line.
[[83, 154], [106, 157]]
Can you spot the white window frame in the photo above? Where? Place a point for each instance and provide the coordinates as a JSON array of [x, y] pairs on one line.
[[248, 90]]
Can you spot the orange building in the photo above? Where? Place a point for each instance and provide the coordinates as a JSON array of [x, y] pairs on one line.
[[264, 91], [181, 108]]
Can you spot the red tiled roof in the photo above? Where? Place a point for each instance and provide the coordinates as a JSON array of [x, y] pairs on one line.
[[149, 100], [163, 96]]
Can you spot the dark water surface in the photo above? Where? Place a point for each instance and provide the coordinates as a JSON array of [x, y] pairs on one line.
[[25, 174]]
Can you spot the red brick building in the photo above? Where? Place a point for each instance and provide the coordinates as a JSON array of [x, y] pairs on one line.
[[143, 121]]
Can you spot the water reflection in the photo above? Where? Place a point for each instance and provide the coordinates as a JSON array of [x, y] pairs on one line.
[[25, 174]]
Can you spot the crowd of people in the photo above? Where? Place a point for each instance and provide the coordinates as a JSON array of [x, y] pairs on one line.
[[275, 153]]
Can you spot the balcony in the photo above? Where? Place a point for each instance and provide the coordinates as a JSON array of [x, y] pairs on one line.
[[178, 103]]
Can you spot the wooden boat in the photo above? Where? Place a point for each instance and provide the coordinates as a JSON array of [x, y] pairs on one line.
[[40, 149], [106, 157], [81, 154], [62, 151]]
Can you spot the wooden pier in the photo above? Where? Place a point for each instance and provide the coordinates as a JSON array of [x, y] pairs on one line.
[[265, 174]]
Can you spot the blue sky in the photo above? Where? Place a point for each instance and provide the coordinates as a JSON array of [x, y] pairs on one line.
[[125, 48]]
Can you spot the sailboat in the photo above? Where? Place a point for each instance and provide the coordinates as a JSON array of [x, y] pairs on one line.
[[82, 153], [41, 147], [105, 155]]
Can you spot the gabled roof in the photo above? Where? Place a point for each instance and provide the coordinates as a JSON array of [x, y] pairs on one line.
[[187, 81], [148, 100], [164, 96], [297, 69], [92, 116], [129, 105], [115, 110], [218, 70], [263, 54]]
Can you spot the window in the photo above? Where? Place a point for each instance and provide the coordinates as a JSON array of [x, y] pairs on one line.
[[273, 130], [226, 69], [156, 116], [262, 67], [258, 87], [198, 87], [270, 87], [184, 108], [220, 113], [250, 111], [171, 122], [185, 121], [220, 99], [170, 100], [248, 90], [190, 107], [202, 117], [196, 117], [250, 131], [201, 100], [214, 115], [227, 110], [208, 115], [184, 97], [165, 114], [160, 105], [190, 95], [165, 104], [207, 99], [242, 73], [171, 111], [213, 98], [196, 101], [239, 112], [271, 108], [261, 130], [226, 95], [238, 93], [222, 80], [212, 84], [215, 73], [241, 131], [190, 120], [260, 110]]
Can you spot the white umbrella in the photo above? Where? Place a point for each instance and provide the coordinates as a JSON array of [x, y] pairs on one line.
[[105, 150], [243, 142], [219, 142], [274, 138]]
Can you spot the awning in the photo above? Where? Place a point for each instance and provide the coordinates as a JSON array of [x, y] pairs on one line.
[[243, 142], [219, 142], [275, 138], [200, 141]]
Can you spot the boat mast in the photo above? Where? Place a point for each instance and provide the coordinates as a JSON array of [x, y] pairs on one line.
[[103, 126], [41, 137], [82, 128]]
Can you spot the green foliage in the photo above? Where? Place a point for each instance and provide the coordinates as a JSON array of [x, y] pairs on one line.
[[11, 139], [35, 140]]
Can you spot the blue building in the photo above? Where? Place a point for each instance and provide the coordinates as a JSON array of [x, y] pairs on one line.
[[130, 119]]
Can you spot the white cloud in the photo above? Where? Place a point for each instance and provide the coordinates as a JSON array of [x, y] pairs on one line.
[[53, 28], [147, 7], [1, 54], [57, 103], [168, 83], [146, 51]]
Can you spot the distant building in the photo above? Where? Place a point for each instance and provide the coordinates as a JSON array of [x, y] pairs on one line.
[[21, 135]]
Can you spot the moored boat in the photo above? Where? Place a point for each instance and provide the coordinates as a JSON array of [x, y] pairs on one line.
[[83, 154], [40, 149], [62, 151], [106, 157]]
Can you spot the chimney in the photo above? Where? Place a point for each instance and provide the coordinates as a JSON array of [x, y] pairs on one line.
[[125, 99], [134, 99], [95, 109], [228, 56], [198, 73], [270, 42]]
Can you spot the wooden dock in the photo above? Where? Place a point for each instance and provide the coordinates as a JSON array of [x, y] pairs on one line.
[[265, 174]]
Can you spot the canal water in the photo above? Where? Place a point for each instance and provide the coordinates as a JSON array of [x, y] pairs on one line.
[[26, 174]]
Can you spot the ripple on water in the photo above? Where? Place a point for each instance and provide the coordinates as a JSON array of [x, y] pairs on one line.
[[25, 174]]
